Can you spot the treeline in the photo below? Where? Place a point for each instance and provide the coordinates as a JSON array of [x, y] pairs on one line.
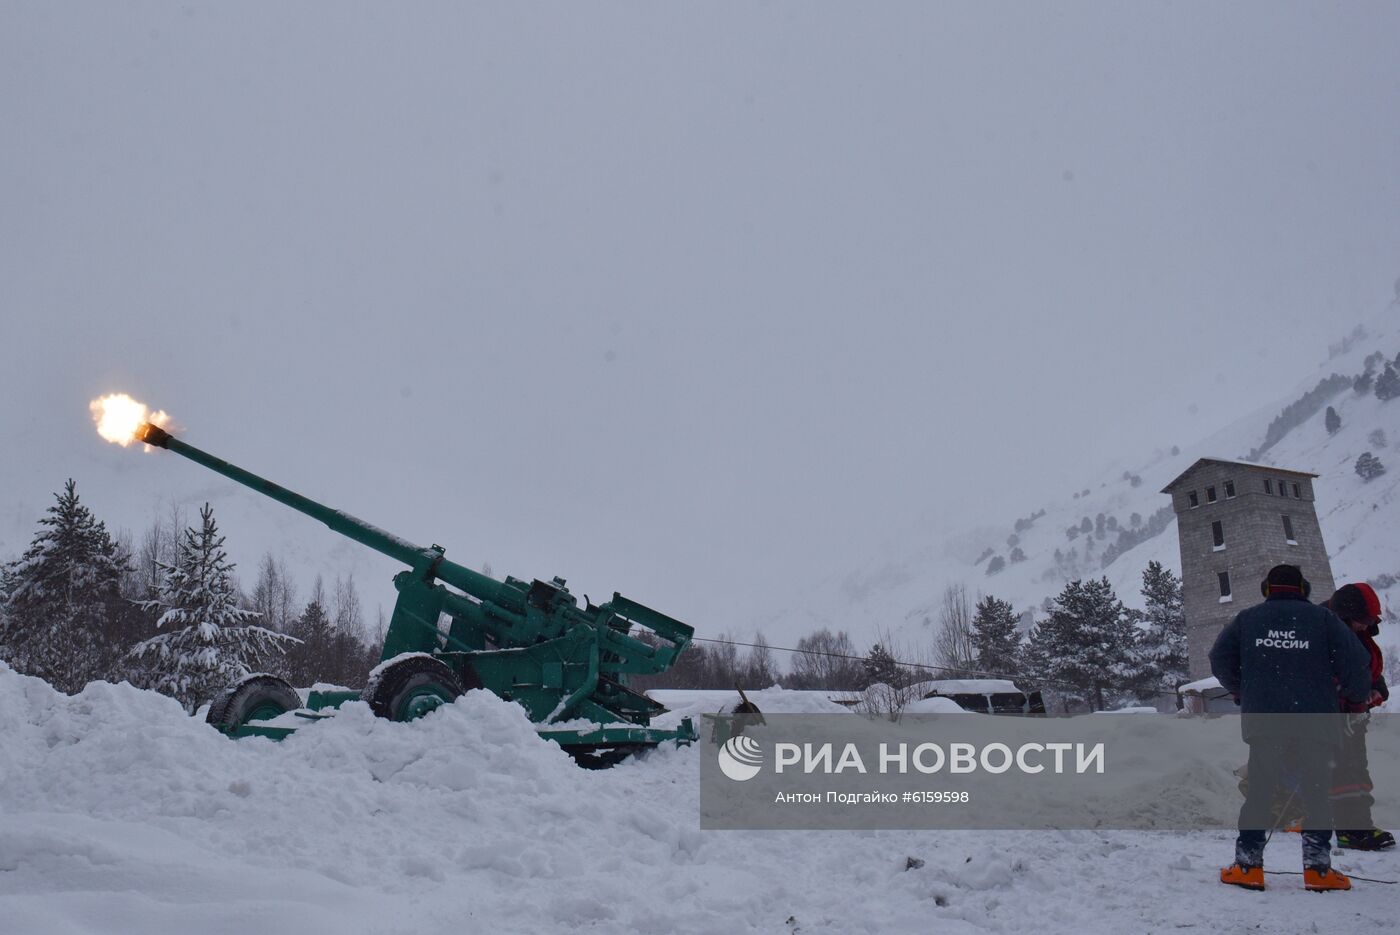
[[1089, 651], [168, 612]]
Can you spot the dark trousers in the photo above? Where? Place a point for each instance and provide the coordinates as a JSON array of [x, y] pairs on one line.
[[1351, 781], [1304, 771]]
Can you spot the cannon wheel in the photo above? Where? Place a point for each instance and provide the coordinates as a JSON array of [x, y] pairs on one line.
[[255, 698], [411, 687]]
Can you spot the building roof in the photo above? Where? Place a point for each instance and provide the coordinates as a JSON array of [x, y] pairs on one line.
[[1262, 468]]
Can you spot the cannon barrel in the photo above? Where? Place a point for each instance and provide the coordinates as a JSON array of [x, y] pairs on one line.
[[415, 556]]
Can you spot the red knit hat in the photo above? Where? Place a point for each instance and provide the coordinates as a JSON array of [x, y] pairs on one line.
[[1373, 602]]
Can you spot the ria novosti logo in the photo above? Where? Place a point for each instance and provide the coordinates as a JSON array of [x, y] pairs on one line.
[[740, 758]]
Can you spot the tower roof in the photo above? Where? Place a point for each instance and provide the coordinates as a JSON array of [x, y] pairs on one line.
[[1248, 465]]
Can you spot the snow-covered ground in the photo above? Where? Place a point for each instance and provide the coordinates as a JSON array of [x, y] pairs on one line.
[[120, 814]]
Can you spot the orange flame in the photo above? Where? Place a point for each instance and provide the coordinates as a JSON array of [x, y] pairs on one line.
[[118, 416]]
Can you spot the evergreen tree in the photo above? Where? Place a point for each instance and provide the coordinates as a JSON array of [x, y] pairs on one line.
[[307, 662], [1332, 421], [1088, 645], [1164, 643], [995, 637], [1369, 466], [1388, 383], [211, 644], [63, 599], [881, 667], [1364, 382]]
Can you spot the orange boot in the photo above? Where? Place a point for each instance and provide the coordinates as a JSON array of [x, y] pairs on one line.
[[1250, 878], [1325, 880]]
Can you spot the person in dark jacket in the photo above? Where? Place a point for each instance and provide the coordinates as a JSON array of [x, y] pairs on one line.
[[1352, 789], [1288, 656]]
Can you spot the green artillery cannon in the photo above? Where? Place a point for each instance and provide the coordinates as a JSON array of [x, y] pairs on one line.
[[528, 642]]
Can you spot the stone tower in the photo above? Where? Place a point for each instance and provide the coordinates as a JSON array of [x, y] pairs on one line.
[[1237, 520]]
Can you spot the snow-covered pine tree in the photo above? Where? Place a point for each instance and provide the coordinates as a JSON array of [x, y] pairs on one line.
[[62, 596], [1369, 467], [1088, 646], [211, 644], [1164, 642], [1332, 421], [1388, 383], [995, 637]]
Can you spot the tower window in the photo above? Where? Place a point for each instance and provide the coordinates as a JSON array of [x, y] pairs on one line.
[[1224, 577], [1194, 500], [1282, 489], [1229, 490], [1210, 494], [1217, 533], [1268, 486], [1297, 492], [1288, 530]]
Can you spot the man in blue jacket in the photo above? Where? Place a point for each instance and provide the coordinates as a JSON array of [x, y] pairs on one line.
[[1288, 656]]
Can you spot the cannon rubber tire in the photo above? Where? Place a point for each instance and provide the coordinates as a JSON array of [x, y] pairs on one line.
[[411, 684], [257, 697]]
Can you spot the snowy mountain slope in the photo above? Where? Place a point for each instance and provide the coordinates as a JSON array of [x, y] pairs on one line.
[[123, 815], [899, 592]]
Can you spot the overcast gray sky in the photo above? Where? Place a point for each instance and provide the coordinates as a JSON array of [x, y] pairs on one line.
[[695, 301]]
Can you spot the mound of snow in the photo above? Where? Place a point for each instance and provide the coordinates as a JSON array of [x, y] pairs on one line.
[[121, 814], [934, 705]]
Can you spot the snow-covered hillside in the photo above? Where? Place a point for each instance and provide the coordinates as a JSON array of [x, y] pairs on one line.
[[898, 593], [123, 815]]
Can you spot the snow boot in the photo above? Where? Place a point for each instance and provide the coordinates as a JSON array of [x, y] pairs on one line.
[[1372, 840], [1250, 878], [1325, 879]]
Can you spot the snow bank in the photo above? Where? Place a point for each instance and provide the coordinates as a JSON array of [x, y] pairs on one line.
[[934, 705], [120, 814]]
